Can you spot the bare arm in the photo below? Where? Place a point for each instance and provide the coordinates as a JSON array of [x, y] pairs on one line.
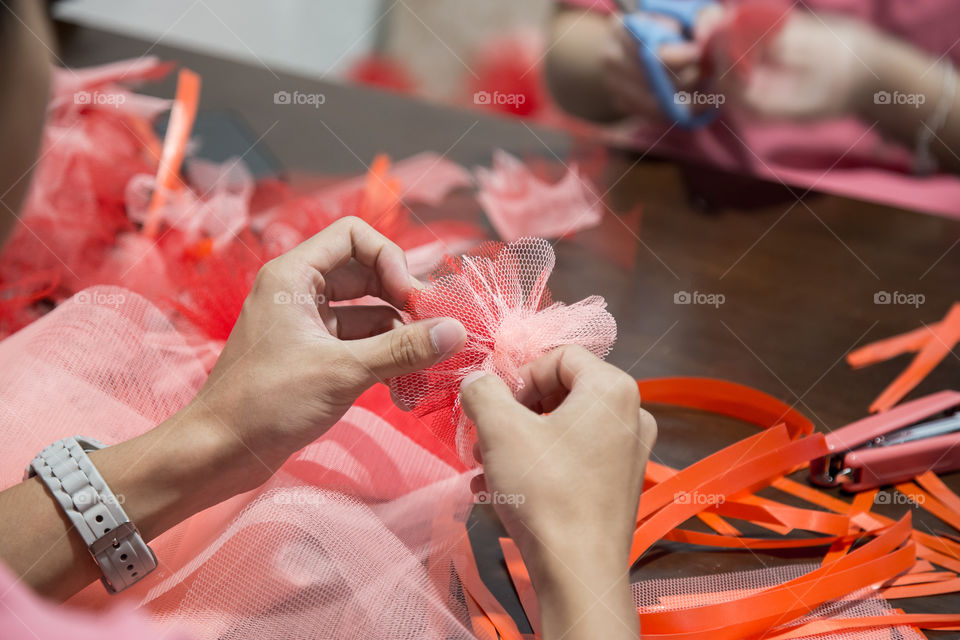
[[580, 41], [287, 374], [907, 71], [164, 476]]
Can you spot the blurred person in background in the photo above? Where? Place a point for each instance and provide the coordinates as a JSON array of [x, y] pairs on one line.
[[830, 84]]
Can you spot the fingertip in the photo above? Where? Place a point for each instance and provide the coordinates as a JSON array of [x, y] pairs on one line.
[[470, 378], [678, 54], [448, 336], [393, 273]]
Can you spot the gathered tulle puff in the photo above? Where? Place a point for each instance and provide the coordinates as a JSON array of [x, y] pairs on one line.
[[499, 293]]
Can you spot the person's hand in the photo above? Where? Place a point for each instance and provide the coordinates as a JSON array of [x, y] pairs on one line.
[[624, 76], [574, 475], [816, 67], [293, 364], [567, 485]]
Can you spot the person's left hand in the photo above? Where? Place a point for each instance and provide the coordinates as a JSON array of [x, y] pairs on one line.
[[293, 364], [816, 67]]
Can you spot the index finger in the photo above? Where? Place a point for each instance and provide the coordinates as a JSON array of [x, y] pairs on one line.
[[351, 237]]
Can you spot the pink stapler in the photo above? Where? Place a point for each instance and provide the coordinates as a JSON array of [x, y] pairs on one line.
[[893, 446]]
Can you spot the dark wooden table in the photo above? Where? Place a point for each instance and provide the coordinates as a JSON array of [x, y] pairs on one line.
[[798, 277]]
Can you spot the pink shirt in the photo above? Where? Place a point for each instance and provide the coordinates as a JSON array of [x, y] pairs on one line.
[[841, 155]]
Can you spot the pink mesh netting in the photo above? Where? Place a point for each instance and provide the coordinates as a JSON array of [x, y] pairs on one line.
[[499, 292], [519, 203], [355, 537]]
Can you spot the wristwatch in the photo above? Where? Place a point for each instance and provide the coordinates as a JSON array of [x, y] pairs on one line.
[[114, 542]]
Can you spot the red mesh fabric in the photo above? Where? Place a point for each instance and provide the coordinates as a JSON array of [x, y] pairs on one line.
[[499, 293]]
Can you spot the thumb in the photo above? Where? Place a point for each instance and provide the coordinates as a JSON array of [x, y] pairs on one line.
[[408, 348], [489, 403]]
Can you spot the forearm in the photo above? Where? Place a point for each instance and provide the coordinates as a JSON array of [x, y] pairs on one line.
[[917, 86], [583, 595], [574, 64], [162, 477]]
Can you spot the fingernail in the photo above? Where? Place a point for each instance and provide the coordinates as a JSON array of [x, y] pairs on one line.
[[470, 378], [446, 335]]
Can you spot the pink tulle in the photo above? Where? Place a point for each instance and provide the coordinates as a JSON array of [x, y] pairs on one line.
[[24, 616], [359, 535], [97, 212], [518, 203], [499, 293]]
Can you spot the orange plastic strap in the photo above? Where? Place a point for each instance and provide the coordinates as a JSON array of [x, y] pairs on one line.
[[463, 560], [891, 347], [927, 502], [740, 474], [482, 626], [657, 473], [945, 622], [939, 490], [933, 588], [791, 517], [709, 468], [182, 115], [726, 398], [923, 577], [733, 542], [876, 561], [942, 339], [521, 581]]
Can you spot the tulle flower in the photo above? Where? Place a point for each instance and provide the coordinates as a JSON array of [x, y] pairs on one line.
[[499, 292]]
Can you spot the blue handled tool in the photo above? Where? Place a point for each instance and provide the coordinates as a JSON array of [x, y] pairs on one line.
[[650, 34]]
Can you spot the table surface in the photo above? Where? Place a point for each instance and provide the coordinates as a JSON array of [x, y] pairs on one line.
[[798, 275]]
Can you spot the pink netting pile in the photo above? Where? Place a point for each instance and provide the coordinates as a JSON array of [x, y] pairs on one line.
[[357, 536], [99, 212], [499, 292]]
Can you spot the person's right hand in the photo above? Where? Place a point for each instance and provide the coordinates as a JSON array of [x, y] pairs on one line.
[[567, 485], [568, 482], [624, 76]]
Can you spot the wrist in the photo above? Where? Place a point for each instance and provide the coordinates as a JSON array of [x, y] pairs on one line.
[[183, 466], [889, 66], [583, 592], [553, 565]]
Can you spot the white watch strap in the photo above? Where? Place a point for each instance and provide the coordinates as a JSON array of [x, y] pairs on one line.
[[114, 541]]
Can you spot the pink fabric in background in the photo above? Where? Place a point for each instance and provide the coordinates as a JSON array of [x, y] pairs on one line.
[[25, 616], [837, 156]]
